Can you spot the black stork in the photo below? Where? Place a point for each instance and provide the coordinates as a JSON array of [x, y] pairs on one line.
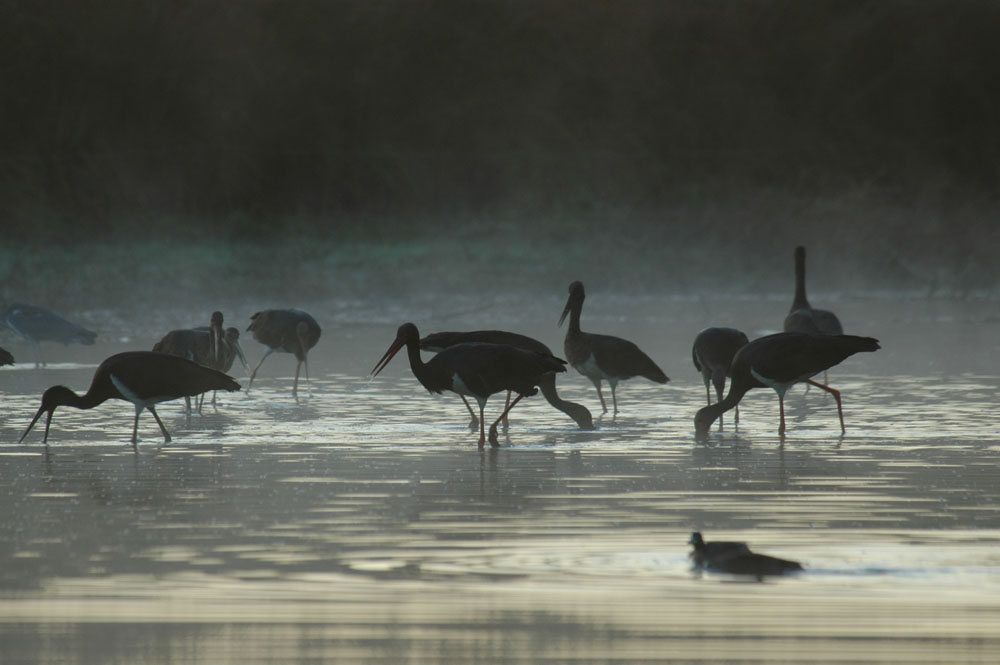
[[203, 345], [779, 361], [6, 358], [437, 342], [229, 351], [603, 357], [475, 370], [144, 378], [803, 317], [736, 559], [286, 330], [712, 353], [37, 324]]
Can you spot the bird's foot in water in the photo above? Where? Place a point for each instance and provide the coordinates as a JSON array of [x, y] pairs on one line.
[[474, 423], [494, 440]]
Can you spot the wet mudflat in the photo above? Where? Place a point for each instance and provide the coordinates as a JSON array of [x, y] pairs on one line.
[[360, 523]]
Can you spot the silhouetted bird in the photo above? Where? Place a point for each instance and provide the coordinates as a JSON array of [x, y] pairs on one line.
[[6, 358], [779, 361], [37, 324], [437, 342], [712, 353], [203, 345], [144, 378], [603, 357], [285, 330], [475, 370], [736, 559]]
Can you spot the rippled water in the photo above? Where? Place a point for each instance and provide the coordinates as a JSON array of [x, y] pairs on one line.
[[361, 524]]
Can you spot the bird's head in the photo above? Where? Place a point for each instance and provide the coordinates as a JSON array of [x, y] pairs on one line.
[[51, 398], [233, 340], [404, 334], [576, 296], [216, 335]]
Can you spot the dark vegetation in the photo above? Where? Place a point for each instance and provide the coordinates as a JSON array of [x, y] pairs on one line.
[[656, 133]]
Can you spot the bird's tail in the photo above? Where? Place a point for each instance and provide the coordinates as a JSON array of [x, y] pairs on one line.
[[854, 344]]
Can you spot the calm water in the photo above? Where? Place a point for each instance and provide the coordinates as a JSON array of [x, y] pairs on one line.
[[360, 524]]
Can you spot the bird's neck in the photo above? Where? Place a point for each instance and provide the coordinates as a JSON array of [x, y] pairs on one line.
[[708, 414], [577, 412], [800, 301], [574, 317], [427, 376], [86, 401]]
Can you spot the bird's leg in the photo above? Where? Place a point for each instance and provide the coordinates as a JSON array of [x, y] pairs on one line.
[[295, 386], [166, 434], [482, 427], [614, 400], [187, 406], [597, 384], [708, 393], [781, 407], [474, 423], [135, 426], [737, 419], [493, 428], [836, 396], [506, 408], [254, 372], [39, 362]]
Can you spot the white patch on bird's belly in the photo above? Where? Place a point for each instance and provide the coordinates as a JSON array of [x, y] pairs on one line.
[[589, 368], [130, 396], [778, 386], [458, 386]]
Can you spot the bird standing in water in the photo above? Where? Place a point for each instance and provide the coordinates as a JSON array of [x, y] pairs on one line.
[[286, 330], [144, 378], [37, 324], [474, 370], [712, 353], [603, 357], [779, 361], [437, 342]]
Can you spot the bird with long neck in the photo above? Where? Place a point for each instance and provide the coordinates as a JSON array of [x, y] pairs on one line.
[[712, 352], [37, 324], [437, 342], [475, 370], [144, 378], [779, 361], [603, 357], [286, 330], [803, 317]]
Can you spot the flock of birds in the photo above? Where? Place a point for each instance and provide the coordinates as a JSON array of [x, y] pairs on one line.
[[191, 362]]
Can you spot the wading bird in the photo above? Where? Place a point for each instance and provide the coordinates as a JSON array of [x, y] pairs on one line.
[[474, 370], [37, 324], [713, 352], [603, 357], [286, 330], [736, 558], [203, 345], [803, 317], [779, 361], [437, 342], [144, 378]]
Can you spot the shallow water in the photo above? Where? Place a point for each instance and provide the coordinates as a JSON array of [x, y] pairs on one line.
[[361, 524]]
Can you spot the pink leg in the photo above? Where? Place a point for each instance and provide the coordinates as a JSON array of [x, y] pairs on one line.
[[493, 428], [836, 396]]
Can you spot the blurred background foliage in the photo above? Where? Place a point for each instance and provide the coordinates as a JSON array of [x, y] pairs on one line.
[[679, 133]]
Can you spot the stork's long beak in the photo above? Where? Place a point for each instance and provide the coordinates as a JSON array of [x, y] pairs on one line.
[[239, 354], [387, 356], [34, 420], [564, 314]]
